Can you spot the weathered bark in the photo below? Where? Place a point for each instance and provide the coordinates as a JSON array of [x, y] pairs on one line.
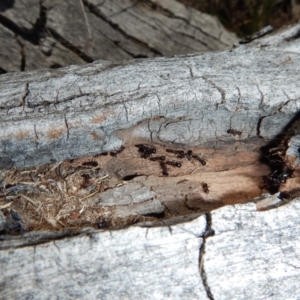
[[182, 102], [58, 33], [252, 255]]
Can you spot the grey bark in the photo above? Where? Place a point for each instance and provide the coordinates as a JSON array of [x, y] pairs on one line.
[[54, 34], [253, 255], [181, 100]]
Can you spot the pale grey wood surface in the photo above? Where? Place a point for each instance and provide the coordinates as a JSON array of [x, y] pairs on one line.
[[135, 263], [79, 111], [54, 34], [253, 255]]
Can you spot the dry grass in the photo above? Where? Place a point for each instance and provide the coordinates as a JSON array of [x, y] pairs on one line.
[[54, 197]]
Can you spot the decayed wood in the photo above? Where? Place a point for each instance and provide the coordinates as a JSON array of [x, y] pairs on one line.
[[179, 103], [222, 106], [57, 33]]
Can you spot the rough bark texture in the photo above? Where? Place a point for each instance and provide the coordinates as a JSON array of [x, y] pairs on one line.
[[107, 259], [186, 102], [58, 33], [222, 106], [252, 255]]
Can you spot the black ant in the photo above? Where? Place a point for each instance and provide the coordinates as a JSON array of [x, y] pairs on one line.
[[270, 184], [189, 154], [205, 187], [279, 176], [234, 132], [102, 224], [173, 163], [146, 151], [101, 154], [115, 153], [201, 160], [164, 168], [179, 152], [85, 180], [289, 195], [156, 158], [90, 163], [281, 171]]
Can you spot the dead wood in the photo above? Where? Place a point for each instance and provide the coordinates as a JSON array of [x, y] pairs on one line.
[[71, 136], [76, 139], [54, 34]]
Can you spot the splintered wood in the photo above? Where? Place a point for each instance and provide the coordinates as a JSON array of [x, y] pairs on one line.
[[138, 183]]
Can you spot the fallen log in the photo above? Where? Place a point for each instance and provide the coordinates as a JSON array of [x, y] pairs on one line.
[[229, 118]]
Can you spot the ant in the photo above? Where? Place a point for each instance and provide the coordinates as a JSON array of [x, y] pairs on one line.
[[271, 184], [115, 153], [289, 195], [173, 163], [179, 152], [234, 132], [164, 168], [158, 158], [101, 154], [85, 180], [201, 160], [189, 154], [285, 195], [90, 163], [205, 187], [146, 151], [279, 176], [281, 171], [102, 224]]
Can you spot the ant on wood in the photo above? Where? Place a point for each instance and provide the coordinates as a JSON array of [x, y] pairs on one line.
[[173, 163], [85, 181], [234, 132], [158, 158], [146, 151], [281, 172], [178, 152], [205, 187], [91, 163], [115, 153], [164, 168], [201, 160], [289, 195], [189, 155]]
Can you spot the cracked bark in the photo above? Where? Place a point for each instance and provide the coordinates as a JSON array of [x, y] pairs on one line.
[[107, 105], [56, 33], [207, 233]]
